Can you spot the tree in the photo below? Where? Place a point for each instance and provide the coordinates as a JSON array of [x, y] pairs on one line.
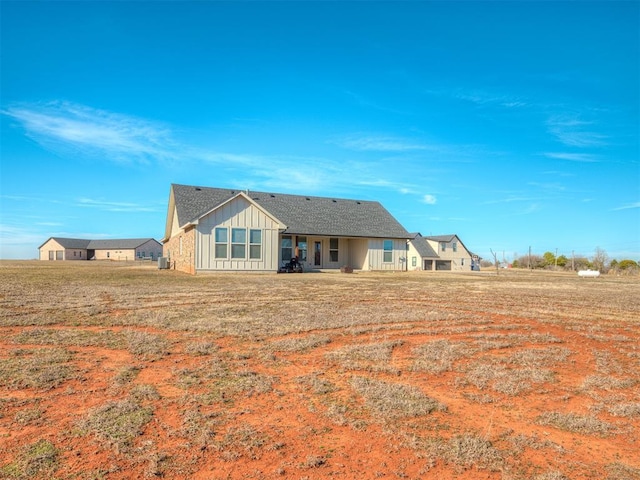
[[599, 259], [562, 261], [627, 264], [549, 259]]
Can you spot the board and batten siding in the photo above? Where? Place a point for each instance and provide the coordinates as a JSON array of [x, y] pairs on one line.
[[375, 256], [238, 213]]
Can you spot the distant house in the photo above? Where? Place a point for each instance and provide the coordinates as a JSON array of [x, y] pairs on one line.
[[440, 252], [215, 229], [56, 248]]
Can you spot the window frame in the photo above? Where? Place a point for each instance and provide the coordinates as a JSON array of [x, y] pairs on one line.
[[237, 244], [387, 253], [284, 248], [253, 244], [221, 243], [334, 251]]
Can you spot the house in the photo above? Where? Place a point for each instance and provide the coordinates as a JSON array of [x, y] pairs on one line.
[[56, 248], [440, 252], [215, 229]]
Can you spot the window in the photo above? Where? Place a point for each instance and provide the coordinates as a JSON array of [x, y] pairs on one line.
[[238, 243], [255, 244], [387, 247], [286, 248], [50, 254], [443, 246], [454, 246], [74, 253], [463, 262], [302, 249], [333, 249], [59, 254], [140, 253], [108, 254], [221, 237], [80, 253], [414, 261]]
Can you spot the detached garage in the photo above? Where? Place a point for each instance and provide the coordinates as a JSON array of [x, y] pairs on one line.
[[128, 249]]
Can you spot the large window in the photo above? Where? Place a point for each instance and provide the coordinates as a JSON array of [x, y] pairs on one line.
[[443, 246], [255, 244], [302, 249], [222, 237], [387, 247], [333, 249], [238, 243], [287, 248]]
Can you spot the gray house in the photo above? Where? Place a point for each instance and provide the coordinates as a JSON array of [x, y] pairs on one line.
[[57, 248], [215, 229]]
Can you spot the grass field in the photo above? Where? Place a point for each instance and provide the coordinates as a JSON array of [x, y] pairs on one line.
[[113, 371]]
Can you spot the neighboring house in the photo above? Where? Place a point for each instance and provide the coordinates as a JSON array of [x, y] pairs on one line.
[[441, 252], [57, 248], [215, 229]]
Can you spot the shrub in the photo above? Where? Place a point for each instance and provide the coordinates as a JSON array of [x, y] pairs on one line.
[[394, 400], [117, 423], [40, 459]]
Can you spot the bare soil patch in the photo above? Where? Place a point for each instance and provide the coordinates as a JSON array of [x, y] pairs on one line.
[[114, 371]]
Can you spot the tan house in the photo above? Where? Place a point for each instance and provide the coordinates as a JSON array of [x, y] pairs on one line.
[[56, 248], [215, 229], [440, 252]]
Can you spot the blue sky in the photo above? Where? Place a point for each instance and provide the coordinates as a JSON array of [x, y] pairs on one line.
[[511, 124]]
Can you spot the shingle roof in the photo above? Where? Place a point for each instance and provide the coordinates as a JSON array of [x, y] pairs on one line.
[[107, 244], [124, 243], [441, 238], [70, 242], [422, 246], [302, 215]]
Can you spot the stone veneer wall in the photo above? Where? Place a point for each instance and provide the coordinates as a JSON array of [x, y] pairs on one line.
[[185, 262]]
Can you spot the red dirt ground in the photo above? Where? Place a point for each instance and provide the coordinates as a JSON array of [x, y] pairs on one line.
[[288, 430]]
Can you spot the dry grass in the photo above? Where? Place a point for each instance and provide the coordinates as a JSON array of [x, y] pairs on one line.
[[261, 376], [373, 357], [117, 423], [571, 422], [389, 401], [42, 368], [301, 344], [439, 356], [38, 460]]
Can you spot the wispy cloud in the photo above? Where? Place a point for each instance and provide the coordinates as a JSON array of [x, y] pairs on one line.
[[627, 207], [575, 132], [113, 206], [573, 157], [429, 199], [482, 97], [94, 132], [380, 143]]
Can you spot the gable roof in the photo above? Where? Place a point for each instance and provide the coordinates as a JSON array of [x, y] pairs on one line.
[[77, 243], [441, 238], [422, 246], [124, 243], [106, 244], [302, 215], [448, 238]]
